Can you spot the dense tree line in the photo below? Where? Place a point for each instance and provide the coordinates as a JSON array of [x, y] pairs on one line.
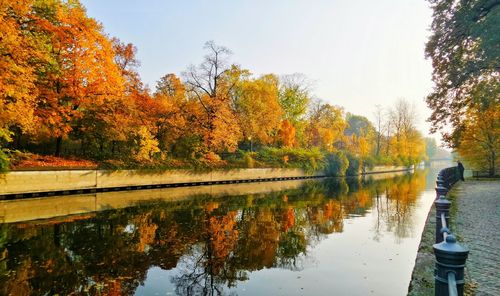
[[69, 89]]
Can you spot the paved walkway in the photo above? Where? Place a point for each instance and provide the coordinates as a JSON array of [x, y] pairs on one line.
[[477, 226]]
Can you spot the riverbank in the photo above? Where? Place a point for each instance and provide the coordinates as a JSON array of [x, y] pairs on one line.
[[474, 220], [37, 183]]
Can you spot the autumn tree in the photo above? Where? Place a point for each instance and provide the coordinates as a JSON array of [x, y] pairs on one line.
[[20, 53], [81, 74], [464, 49], [402, 117], [126, 60], [325, 126], [132, 108], [358, 125], [210, 84], [294, 98], [170, 110], [359, 134], [171, 87], [258, 109], [480, 138], [379, 133], [286, 134]]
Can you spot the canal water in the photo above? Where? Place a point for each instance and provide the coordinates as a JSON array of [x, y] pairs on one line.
[[313, 237]]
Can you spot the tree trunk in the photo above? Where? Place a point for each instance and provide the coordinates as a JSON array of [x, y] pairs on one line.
[[18, 140], [378, 145], [58, 146], [492, 164], [101, 148]]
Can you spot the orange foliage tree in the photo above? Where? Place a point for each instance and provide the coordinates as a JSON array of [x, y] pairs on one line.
[[210, 84], [286, 134], [81, 73]]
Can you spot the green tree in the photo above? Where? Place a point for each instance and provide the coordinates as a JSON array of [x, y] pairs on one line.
[[358, 125], [294, 96]]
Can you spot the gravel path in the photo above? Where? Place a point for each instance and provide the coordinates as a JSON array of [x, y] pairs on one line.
[[475, 220], [477, 226]]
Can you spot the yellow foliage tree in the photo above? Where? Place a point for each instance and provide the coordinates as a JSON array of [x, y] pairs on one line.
[[480, 138], [147, 145], [259, 111], [17, 74], [361, 146], [325, 127]]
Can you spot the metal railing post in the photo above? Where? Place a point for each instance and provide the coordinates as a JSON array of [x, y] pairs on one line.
[[441, 191], [444, 178], [440, 181], [450, 258], [442, 206]]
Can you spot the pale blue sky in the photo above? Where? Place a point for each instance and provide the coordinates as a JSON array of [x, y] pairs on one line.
[[357, 53]]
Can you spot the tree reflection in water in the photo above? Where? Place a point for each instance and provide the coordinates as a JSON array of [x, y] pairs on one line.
[[211, 243]]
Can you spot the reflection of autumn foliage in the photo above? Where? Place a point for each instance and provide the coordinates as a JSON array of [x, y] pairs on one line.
[[212, 243], [284, 198], [173, 241], [109, 287], [400, 197], [19, 283], [147, 231], [115, 288], [358, 202], [333, 213], [327, 218], [210, 206], [288, 219], [364, 199], [223, 236], [263, 230]]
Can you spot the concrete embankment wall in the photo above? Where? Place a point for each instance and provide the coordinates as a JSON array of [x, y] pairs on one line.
[[23, 182], [74, 181], [386, 169]]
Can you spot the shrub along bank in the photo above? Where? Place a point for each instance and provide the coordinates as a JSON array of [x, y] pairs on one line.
[[338, 163]]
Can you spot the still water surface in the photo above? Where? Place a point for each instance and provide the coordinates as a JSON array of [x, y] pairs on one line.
[[315, 237]]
